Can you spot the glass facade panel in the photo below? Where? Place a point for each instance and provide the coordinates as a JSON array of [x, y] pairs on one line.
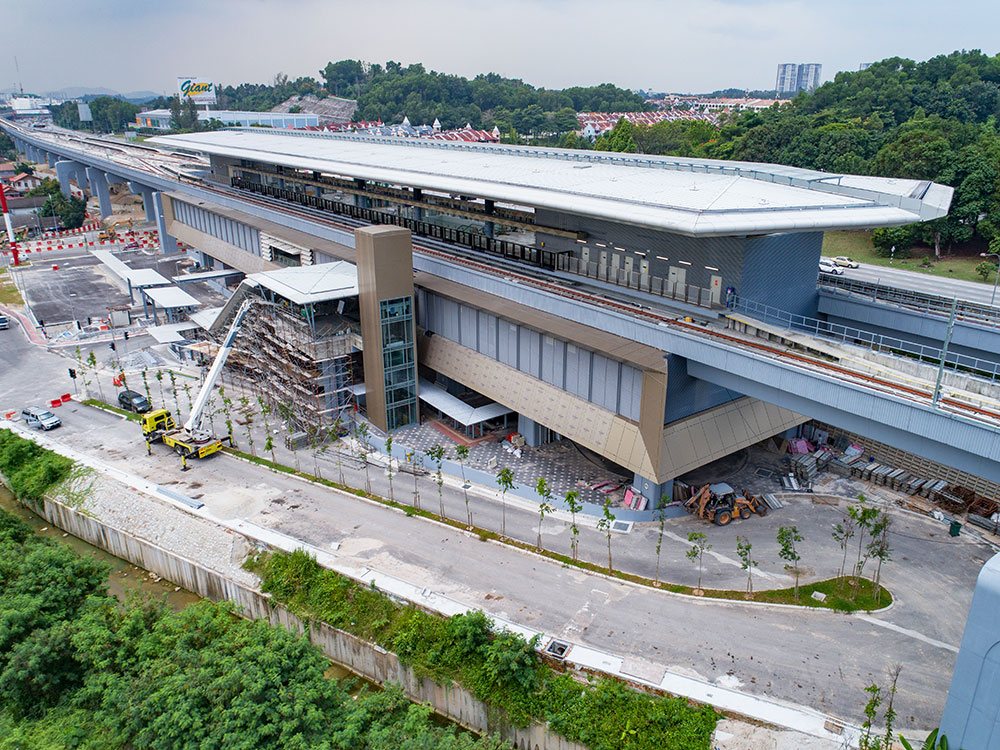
[[400, 381]]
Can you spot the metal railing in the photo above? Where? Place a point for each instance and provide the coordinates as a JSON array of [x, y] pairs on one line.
[[933, 304], [877, 342]]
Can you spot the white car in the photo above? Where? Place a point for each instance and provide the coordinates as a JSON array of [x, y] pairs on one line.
[[845, 262], [827, 266]]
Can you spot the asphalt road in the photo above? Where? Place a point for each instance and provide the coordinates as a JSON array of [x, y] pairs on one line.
[[819, 659], [921, 282]]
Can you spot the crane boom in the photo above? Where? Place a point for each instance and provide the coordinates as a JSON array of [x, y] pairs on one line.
[[194, 419]]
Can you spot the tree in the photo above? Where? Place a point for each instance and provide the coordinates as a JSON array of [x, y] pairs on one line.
[[620, 138], [869, 739], [744, 550], [437, 454], [788, 536], [361, 437], [699, 546], [544, 492], [462, 454], [660, 521], [265, 412], [388, 470], [505, 481], [863, 515], [22, 167], [175, 112], [71, 211], [985, 268], [606, 523], [880, 549], [338, 431], [412, 459], [574, 506], [843, 532], [92, 361]]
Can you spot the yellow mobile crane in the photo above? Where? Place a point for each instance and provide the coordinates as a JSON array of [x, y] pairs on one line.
[[192, 440]]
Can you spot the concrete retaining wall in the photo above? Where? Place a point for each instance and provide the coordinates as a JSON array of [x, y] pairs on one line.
[[365, 659]]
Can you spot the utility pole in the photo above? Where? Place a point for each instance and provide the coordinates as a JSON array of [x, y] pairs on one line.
[[944, 352], [996, 277]]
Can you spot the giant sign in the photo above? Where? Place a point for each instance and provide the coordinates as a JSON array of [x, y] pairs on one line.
[[197, 90]]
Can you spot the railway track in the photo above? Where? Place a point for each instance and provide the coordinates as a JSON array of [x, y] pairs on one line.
[[460, 256]]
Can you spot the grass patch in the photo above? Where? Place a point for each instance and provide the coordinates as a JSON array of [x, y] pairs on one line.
[[858, 245], [9, 294], [130, 415], [500, 668]]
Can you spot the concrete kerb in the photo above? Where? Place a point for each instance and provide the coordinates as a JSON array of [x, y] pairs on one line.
[[767, 710], [527, 550]]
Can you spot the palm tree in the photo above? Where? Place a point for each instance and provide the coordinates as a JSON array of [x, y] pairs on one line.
[[462, 454], [544, 492], [575, 506], [505, 480]]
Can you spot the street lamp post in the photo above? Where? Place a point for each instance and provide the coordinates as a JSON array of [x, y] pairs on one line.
[[996, 278]]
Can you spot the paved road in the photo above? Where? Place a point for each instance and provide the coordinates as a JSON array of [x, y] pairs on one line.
[[922, 282], [818, 659]]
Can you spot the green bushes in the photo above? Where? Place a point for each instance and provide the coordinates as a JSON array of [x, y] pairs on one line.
[[80, 669], [31, 470], [501, 669]]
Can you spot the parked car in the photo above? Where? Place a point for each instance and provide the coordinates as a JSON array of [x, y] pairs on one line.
[[4, 323], [134, 401], [43, 419], [845, 262], [827, 266]]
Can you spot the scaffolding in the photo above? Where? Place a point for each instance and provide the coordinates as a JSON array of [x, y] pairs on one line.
[[299, 363]]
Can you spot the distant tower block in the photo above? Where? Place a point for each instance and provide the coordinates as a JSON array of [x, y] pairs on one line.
[[385, 297]]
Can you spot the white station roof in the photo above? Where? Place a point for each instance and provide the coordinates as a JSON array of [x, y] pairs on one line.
[[698, 197], [170, 297], [171, 333], [305, 285]]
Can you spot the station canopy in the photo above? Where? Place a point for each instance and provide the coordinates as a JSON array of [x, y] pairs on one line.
[[695, 197], [305, 285]]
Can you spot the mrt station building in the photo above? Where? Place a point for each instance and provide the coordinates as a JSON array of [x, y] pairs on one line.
[[514, 247]]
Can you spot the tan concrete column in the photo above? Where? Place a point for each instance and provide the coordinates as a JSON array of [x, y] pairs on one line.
[[385, 272]]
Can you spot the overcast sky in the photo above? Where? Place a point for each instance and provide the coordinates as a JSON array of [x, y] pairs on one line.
[[672, 45]]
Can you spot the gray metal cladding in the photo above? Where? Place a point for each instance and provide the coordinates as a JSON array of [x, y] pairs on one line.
[[781, 270], [687, 395], [614, 385], [228, 230], [700, 257]]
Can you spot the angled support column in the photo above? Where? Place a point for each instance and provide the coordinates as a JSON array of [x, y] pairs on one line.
[[168, 243], [52, 159], [147, 199], [65, 170], [99, 185]]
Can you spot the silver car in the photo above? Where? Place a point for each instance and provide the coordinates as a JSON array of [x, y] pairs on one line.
[[43, 419]]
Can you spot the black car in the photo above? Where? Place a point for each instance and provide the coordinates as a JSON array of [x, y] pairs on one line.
[[133, 401]]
